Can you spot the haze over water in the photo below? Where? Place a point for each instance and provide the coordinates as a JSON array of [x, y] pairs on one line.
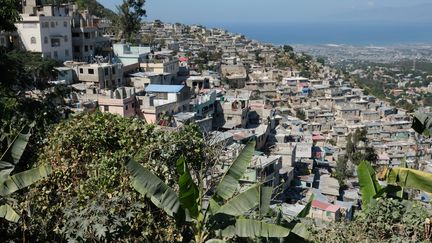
[[356, 22], [335, 33]]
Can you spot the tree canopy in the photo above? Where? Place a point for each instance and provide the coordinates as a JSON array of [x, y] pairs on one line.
[[130, 14], [9, 15]]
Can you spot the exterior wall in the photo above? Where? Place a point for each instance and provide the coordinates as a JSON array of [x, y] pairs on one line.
[[52, 35], [161, 67], [317, 213], [130, 54], [103, 75], [153, 113], [122, 107]]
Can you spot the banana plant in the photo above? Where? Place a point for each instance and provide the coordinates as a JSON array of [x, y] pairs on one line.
[[225, 213], [396, 178], [12, 183]]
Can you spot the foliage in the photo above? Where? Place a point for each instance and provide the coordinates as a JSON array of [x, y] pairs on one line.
[[9, 15], [87, 154], [422, 122], [130, 13], [386, 220], [396, 177], [300, 114], [220, 218], [24, 69], [12, 183], [369, 185]]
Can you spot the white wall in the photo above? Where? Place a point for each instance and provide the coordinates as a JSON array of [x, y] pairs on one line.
[[32, 26]]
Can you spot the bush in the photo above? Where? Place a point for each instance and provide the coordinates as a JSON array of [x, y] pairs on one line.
[[387, 220], [88, 196]]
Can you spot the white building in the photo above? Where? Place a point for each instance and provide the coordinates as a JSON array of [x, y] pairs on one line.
[[46, 30]]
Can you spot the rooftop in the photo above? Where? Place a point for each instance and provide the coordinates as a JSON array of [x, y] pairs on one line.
[[160, 88]]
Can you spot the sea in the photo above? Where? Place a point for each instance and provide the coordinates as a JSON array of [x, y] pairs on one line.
[[333, 33]]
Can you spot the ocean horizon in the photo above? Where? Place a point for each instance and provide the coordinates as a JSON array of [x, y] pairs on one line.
[[322, 33]]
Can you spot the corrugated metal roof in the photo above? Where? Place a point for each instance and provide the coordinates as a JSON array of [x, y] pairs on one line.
[[160, 88]]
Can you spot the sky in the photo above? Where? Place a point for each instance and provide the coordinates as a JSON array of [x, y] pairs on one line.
[[212, 13]]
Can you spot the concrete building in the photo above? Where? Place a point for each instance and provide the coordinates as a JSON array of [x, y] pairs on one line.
[[87, 37], [163, 100], [45, 30], [324, 211], [101, 75], [128, 55], [161, 62]]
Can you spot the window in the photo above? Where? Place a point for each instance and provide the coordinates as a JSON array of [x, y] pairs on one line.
[[106, 71], [46, 40], [75, 34], [2, 41], [56, 23], [87, 35], [81, 70], [162, 96], [90, 71], [229, 118], [86, 48], [133, 105], [33, 40], [55, 42], [45, 25], [91, 47], [67, 53], [29, 25], [65, 38], [328, 214], [106, 108], [113, 70], [55, 55], [126, 108], [47, 55], [64, 24], [76, 49], [52, 25]]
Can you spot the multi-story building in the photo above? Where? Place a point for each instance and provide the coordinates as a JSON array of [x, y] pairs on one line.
[[101, 75], [163, 100], [45, 30], [87, 39]]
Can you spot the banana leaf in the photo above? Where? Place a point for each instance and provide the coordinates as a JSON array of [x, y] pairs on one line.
[[241, 203], [410, 178], [304, 213], [149, 185], [16, 148], [369, 186], [23, 179], [230, 181], [255, 228], [301, 230], [266, 193], [215, 241], [8, 213], [188, 191]]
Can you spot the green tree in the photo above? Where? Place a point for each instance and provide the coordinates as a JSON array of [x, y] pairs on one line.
[[90, 184], [288, 48], [130, 14], [9, 15]]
